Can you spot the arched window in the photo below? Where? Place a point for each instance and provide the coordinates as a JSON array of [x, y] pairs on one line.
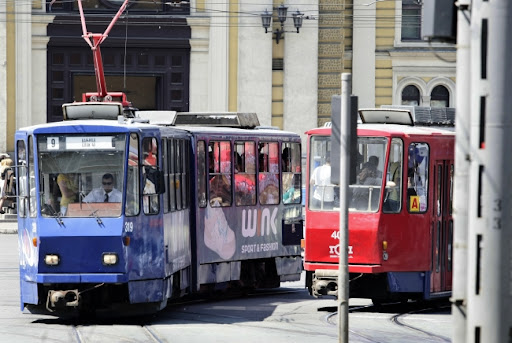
[[440, 97], [411, 96]]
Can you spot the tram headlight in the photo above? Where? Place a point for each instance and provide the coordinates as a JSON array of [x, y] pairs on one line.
[[52, 259], [109, 258]]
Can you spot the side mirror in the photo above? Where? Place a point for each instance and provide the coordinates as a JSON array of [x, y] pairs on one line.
[[156, 176]]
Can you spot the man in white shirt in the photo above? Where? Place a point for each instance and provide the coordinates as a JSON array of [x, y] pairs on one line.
[[107, 193], [323, 194]]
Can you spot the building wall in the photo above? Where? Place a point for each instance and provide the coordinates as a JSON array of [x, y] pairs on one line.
[[331, 46], [231, 61]]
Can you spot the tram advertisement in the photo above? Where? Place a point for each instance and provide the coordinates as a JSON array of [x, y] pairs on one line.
[[249, 233]]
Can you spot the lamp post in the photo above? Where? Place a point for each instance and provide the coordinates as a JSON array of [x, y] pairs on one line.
[[282, 10]]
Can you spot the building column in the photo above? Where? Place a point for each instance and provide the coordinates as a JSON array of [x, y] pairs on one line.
[[218, 61], [3, 76], [39, 68], [23, 14], [363, 55], [301, 72], [199, 61], [255, 62]]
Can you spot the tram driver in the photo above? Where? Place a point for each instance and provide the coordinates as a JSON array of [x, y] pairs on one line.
[[107, 193]]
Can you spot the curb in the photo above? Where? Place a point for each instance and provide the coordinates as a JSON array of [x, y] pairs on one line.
[[8, 226]]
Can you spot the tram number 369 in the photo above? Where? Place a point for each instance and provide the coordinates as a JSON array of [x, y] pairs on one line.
[[128, 227]]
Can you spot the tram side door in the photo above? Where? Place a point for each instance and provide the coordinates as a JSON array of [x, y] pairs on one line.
[[442, 227]]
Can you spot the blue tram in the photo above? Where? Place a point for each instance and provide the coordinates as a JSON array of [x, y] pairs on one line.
[[118, 211]]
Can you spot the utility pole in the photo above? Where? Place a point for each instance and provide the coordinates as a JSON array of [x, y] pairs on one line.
[[345, 139], [489, 290], [461, 177]]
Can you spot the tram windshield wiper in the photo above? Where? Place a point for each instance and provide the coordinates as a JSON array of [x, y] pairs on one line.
[[94, 213], [50, 211]]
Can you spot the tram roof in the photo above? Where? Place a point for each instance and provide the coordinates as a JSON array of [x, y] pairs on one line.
[[102, 125], [396, 120], [390, 129]]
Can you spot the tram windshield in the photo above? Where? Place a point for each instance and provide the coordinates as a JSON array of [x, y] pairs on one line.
[[81, 175], [364, 192]]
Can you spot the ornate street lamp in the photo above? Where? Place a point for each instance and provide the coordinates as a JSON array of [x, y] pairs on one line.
[[282, 10]]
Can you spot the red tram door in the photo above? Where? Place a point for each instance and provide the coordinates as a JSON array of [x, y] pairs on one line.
[[442, 227]]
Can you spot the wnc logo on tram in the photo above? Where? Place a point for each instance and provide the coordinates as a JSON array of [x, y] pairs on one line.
[[259, 222]]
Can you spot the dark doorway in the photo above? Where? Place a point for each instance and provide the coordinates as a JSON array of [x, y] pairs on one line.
[[150, 64]]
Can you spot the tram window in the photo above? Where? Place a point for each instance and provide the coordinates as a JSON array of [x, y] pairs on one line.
[[365, 193], [172, 174], [201, 173], [219, 161], [21, 183], [291, 173], [393, 196], [181, 185], [78, 174], [31, 179], [323, 195], [417, 177], [268, 177], [151, 198], [439, 194], [450, 245], [184, 175], [177, 173], [450, 202], [165, 166], [245, 173], [132, 206]]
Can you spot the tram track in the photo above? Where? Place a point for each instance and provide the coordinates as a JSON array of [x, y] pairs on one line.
[[397, 319]]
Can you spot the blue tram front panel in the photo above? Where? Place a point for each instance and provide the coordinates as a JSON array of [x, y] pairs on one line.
[[106, 231]]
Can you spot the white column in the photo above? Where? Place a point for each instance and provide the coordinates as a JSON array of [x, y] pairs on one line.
[[363, 55], [218, 62], [3, 76], [23, 14], [301, 70], [39, 69], [255, 62], [199, 61]]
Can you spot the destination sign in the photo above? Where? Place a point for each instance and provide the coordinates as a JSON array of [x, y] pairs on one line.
[[89, 143]]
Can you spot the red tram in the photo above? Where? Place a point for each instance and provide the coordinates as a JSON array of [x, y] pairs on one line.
[[400, 208]]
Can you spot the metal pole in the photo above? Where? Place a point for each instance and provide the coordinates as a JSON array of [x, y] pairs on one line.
[[346, 90], [461, 177], [489, 289]]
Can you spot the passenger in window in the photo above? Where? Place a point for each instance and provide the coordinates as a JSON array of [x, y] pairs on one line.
[[323, 190], [150, 151], [68, 185], [106, 193], [369, 175], [239, 166], [220, 191], [7, 184], [411, 191], [392, 201]]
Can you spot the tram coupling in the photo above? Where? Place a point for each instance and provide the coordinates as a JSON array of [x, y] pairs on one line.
[[325, 282], [62, 299]]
